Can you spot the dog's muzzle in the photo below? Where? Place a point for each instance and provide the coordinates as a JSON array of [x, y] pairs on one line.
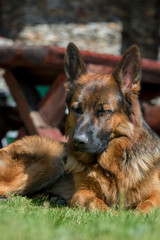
[[80, 141], [84, 142]]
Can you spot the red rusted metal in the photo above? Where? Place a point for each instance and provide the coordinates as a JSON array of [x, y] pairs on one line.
[[28, 66]]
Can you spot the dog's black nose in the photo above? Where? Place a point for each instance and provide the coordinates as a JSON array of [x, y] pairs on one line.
[[80, 140]]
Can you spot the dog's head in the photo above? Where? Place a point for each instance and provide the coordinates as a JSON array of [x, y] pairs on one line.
[[101, 107]]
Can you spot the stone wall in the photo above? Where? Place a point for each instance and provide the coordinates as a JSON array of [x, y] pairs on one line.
[[140, 19]]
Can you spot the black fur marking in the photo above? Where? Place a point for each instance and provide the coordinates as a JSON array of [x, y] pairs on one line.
[[73, 64], [106, 172]]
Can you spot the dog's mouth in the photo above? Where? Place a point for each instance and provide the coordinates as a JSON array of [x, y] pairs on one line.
[[79, 148], [90, 143], [92, 148]]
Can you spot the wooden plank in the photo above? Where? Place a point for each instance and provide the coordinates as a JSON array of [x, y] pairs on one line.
[[22, 132], [52, 106], [149, 74], [21, 101], [52, 133], [32, 119], [152, 116], [53, 57], [27, 87], [9, 118], [94, 68]]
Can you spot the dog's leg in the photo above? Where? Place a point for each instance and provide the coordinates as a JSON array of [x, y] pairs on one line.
[[152, 202], [87, 199]]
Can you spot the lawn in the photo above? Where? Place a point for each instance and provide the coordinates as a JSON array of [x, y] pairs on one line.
[[23, 218]]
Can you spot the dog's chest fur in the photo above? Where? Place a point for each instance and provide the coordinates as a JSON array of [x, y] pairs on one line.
[[123, 177], [118, 188]]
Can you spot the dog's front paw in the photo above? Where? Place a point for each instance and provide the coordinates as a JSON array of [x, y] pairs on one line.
[[144, 207], [88, 201], [58, 200]]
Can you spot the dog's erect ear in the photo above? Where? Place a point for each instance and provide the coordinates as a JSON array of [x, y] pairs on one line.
[[128, 73], [73, 63]]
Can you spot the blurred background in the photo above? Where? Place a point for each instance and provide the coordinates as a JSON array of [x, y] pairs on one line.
[[103, 26], [106, 26]]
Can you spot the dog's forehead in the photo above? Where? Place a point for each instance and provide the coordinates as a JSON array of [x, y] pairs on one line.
[[97, 88]]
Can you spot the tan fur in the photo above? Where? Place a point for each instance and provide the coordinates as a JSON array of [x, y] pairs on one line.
[[30, 165]]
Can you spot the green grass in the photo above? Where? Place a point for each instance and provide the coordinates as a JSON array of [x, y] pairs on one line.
[[23, 218]]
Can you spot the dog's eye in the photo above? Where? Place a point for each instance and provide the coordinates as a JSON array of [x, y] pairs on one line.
[[77, 110], [101, 112]]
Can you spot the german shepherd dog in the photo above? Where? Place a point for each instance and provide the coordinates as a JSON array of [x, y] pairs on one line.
[[111, 151]]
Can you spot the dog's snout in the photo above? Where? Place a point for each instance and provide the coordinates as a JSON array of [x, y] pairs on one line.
[[80, 140]]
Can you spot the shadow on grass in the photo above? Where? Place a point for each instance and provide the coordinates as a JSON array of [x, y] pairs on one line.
[[48, 201]]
